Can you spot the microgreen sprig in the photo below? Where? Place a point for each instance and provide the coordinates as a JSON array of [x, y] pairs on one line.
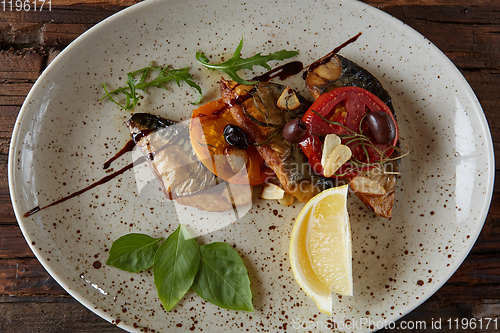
[[208, 146], [164, 76]]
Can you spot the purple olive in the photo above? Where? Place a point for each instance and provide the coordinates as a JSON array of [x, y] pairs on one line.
[[382, 126], [294, 130], [235, 136]]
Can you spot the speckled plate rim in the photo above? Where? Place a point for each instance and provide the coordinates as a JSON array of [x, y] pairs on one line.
[[485, 129], [59, 60]]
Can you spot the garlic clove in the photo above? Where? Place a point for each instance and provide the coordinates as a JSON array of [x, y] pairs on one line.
[[272, 191], [330, 143], [288, 100], [337, 158]]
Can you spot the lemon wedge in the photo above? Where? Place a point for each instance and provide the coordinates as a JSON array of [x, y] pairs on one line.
[[320, 248]]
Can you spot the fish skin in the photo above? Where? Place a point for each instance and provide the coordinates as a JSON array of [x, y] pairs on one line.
[[357, 76], [347, 73], [146, 121], [181, 174], [174, 160]]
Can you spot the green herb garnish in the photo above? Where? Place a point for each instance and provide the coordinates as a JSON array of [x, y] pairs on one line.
[[209, 147], [133, 252], [165, 75], [236, 63], [176, 264], [222, 278], [214, 271]]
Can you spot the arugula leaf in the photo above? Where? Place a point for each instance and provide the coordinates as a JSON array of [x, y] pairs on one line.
[[175, 266], [236, 63], [133, 252], [222, 278], [165, 75]]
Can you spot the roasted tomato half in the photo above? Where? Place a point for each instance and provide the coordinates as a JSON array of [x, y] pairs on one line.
[[234, 165], [346, 111]]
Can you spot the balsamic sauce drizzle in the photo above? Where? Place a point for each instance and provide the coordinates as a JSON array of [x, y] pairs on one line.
[[282, 72], [330, 55], [128, 147], [292, 68]]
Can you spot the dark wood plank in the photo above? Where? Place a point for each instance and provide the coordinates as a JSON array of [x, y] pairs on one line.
[[62, 34], [73, 14], [384, 4], [6, 211], [14, 93], [13, 244], [19, 314], [25, 276], [20, 65], [489, 239], [426, 318], [8, 115]]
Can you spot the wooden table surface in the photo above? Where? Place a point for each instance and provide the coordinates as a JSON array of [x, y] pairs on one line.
[[468, 32]]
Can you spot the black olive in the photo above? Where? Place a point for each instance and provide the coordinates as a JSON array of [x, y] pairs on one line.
[[235, 136], [294, 130], [382, 126]]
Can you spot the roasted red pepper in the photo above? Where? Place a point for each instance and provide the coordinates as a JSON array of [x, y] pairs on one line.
[[206, 131]]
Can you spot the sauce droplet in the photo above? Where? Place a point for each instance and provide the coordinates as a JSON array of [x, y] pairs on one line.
[[129, 146]]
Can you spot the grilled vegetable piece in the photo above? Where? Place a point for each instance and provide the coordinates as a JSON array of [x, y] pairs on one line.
[[256, 111], [212, 132], [340, 72], [381, 204], [343, 111], [182, 176]]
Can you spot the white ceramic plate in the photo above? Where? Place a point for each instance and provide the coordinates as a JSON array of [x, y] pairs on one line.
[[64, 134]]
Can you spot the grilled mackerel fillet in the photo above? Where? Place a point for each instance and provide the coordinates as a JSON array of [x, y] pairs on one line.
[[182, 176]]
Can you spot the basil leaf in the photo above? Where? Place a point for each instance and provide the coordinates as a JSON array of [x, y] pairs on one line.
[[223, 278], [175, 266], [133, 252]]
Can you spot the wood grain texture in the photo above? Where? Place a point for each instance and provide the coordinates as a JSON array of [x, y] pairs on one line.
[[468, 32], [67, 315]]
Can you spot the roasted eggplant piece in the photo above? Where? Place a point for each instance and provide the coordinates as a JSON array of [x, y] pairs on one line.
[[258, 113]]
